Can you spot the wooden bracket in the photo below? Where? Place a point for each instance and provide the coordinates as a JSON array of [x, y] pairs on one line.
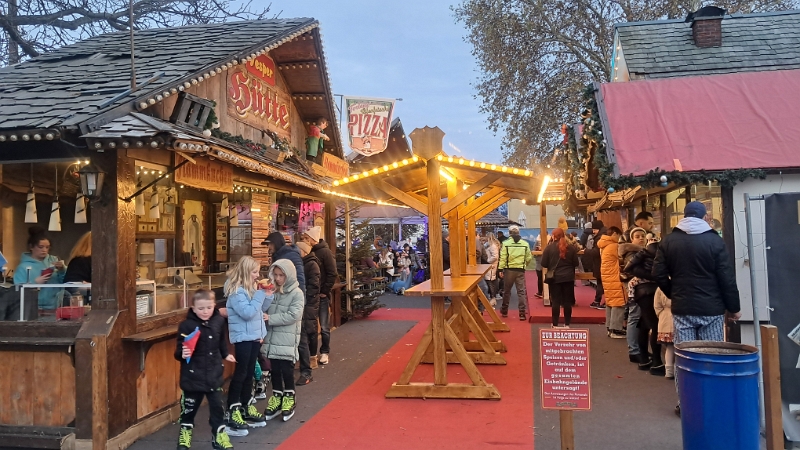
[[470, 192]]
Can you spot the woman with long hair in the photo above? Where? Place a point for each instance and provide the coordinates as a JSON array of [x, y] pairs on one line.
[[79, 269], [561, 259], [492, 257]]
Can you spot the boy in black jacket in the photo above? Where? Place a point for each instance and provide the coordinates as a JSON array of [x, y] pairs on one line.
[[201, 369]]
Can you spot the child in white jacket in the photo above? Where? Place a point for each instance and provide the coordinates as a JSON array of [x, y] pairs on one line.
[[666, 331]]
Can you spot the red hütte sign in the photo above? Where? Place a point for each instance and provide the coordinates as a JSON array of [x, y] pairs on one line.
[[564, 356], [264, 68]]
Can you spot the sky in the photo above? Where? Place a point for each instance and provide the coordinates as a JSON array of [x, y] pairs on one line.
[[410, 49]]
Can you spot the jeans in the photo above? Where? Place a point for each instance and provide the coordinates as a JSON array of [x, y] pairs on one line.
[[697, 328], [325, 324], [308, 343], [634, 313], [241, 387], [513, 278], [395, 286]]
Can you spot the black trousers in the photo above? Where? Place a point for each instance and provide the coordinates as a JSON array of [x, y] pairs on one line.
[[282, 375], [562, 295], [598, 296], [539, 282], [190, 403], [648, 330], [308, 344], [241, 387]]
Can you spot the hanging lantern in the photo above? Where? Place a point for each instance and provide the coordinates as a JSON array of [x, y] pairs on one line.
[[30, 208], [80, 208], [55, 210], [223, 210], [155, 212]]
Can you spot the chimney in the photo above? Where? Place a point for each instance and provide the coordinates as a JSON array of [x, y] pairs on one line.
[[707, 26]]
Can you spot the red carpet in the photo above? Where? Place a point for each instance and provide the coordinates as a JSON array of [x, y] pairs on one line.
[[361, 418], [581, 312]]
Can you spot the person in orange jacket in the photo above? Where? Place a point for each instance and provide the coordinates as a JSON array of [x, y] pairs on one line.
[[613, 287]]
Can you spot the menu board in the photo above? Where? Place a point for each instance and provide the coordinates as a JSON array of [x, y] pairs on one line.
[[564, 354]]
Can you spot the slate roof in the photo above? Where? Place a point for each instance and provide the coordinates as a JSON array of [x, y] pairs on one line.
[[752, 42], [65, 87]]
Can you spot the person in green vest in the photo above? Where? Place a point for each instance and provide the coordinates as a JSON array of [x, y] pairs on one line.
[[515, 255], [316, 139]]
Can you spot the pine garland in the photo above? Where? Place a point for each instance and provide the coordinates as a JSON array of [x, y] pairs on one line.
[[593, 138]]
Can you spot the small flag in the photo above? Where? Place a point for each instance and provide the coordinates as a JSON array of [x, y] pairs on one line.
[[190, 342]]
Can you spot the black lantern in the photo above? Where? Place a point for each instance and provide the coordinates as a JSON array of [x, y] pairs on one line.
[[92, 178]]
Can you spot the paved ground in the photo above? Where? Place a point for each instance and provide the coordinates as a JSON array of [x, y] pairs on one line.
[[630, 408]]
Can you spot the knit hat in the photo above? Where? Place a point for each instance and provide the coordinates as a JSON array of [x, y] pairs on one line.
[[513, 229], [587, 226], [695, 209], [597, 225], [314, 233], [635, 229], [304, 248]]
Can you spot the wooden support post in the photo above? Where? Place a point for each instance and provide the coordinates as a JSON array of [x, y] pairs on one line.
[[439, 353], [543, 240], [567, 430], [435, 225], [772, 387], [472, 238]]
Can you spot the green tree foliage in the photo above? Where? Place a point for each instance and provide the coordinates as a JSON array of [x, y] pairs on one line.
[[365, 296], [536, 57]]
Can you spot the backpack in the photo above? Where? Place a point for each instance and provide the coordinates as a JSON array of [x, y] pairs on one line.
[[419, 277]]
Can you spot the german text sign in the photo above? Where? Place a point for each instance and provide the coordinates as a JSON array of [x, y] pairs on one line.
[[565, 368]]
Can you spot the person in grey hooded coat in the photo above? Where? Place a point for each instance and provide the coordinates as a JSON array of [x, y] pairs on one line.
[[283, 336]]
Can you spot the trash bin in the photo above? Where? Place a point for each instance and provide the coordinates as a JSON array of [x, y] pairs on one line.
[[718, 388]]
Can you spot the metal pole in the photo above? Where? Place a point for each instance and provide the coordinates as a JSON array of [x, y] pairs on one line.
[[348, 271], [756, 321]]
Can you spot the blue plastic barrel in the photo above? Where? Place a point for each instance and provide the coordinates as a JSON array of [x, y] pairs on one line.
[[718, 388]]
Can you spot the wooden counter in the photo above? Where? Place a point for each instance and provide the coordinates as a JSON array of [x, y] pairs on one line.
[[480, 269], [453, 287]]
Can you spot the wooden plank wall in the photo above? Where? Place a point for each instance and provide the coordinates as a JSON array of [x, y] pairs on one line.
[[157, 386], [37, 389], [261, 226]]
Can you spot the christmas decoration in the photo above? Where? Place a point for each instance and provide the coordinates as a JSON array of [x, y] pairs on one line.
[[663, 179], [365, 296]]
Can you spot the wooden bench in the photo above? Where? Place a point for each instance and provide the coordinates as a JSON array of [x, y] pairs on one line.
[[147, 338]]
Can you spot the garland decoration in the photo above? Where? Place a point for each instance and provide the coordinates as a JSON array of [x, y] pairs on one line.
[[593, 139]]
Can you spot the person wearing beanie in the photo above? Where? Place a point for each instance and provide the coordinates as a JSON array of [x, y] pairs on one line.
[[627, 251], [279, 249], [329, 277], [307, 349], [693, 269]]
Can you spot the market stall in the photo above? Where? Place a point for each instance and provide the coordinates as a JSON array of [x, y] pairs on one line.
[[472, 189]]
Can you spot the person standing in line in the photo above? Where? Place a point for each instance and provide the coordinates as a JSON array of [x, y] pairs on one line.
[[279, 249], [627, 251], [492, 258], [283, 338], [593, 254], [201, 369], [642, 288], [308, 328], [693, 269], [514, 258], [328, 278], [246, 330], [644, 220], [561, 259], [666, 333], [445, 250], [612, 286], [538, 247]]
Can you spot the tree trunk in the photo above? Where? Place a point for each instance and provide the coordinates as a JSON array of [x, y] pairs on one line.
[[13, 47]]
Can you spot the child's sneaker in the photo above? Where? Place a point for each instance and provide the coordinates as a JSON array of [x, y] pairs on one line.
[[221, 440], [287, 406], [185, 438], [235, 424], [251, 415], [274, 405]]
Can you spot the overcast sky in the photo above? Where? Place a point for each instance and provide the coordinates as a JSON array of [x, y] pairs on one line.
[[410, 49]]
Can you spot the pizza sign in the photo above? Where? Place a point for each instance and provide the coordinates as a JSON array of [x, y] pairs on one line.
[[368, 122]]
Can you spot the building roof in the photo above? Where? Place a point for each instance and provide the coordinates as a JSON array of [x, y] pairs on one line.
[[714, 122], [74, 84], [751, 42]]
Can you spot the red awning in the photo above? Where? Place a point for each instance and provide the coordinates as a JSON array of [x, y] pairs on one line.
[[715, 122]]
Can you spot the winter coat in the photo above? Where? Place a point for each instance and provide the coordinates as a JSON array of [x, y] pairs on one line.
[[492, 257], [515, 254], [245, 320], [609, 271], [585, 237], [564, 267], [203, 372], [695, 272], [626, 253], [311, 309], [47, 296], [663, 306], [593, 253], [290, 252], [79, 270], [285, 314], [327, 267], [445, 254], [640, 265]]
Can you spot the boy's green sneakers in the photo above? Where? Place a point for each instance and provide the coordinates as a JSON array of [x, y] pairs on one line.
[[222, 441], [287, 407], [274, 405], [185, 438]]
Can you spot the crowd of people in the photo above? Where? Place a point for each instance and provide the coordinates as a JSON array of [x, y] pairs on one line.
[[272, 324], [657, 293]]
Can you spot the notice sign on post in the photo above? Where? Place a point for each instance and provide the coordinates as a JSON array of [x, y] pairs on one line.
[[565, 368]]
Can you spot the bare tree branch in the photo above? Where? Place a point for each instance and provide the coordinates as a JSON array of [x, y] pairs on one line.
[[537, 56]]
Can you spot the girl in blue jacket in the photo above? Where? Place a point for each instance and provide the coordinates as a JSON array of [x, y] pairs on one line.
[[40, 267], [245, 308]]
